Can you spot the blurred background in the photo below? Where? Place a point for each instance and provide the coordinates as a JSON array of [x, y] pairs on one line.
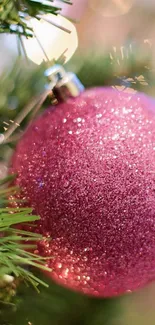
[[116, 47], [101, 26]]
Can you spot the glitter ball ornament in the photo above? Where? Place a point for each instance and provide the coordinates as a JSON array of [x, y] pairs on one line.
[[87, 167]]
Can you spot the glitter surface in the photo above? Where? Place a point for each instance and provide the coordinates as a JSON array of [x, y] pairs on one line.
[[88, 168]]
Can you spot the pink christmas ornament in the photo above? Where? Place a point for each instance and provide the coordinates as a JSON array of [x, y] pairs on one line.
[[87, 167]]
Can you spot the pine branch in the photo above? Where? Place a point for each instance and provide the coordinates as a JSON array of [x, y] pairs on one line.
[[15, 244], [14, 14]]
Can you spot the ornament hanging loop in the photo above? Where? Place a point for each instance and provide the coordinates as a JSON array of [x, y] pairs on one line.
[[63, 84]]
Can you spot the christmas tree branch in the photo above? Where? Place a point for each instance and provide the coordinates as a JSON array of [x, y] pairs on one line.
[[14, 14], [15, 244]]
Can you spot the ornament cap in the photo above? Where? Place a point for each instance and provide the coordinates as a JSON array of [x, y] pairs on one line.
[[55, 73], [64, 84]]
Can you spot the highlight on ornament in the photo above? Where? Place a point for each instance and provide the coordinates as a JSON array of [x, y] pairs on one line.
[[86, 167]]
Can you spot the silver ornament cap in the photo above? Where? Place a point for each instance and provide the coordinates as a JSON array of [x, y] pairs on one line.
[[63, 84]]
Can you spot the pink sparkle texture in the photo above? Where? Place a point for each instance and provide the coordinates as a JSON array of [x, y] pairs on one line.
[[87, 167]]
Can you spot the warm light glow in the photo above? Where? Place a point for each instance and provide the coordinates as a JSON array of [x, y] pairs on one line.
[[111, 8], [50, 42]]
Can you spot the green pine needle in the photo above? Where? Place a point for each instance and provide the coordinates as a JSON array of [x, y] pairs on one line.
[[15, 243], [12, 13]]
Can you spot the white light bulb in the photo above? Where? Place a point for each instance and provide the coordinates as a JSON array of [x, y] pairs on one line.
[[50, 42]]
